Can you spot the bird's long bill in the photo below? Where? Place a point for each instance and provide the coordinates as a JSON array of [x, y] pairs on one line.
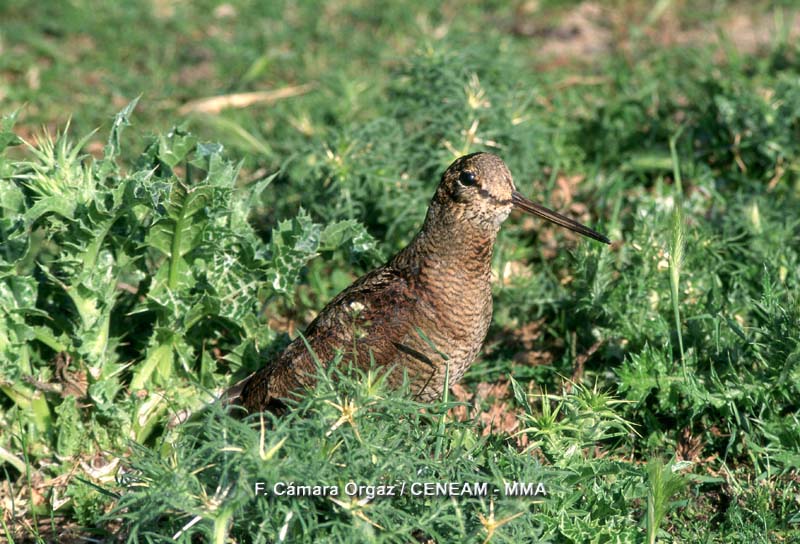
[[537, 209]]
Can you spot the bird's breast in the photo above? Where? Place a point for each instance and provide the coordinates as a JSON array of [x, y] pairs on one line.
[[454, 310]]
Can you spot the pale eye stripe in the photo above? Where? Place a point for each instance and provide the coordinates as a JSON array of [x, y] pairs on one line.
[[490, 196]]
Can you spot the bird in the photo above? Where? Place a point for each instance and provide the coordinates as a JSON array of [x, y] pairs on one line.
[[424, 315]]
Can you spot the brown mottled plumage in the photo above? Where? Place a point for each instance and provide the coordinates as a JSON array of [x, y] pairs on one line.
[[439, 284]]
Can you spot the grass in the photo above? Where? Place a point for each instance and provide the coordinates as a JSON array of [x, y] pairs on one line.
[[651, 387]]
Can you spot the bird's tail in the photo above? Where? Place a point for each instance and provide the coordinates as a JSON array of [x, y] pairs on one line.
[[234, 392]]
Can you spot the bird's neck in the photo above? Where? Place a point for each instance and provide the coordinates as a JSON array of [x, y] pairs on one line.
[[451, 249]]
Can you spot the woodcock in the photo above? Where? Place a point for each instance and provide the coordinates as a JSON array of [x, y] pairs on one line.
[[430, 306]]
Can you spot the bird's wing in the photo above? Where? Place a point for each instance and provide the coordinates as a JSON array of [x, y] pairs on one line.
[[369, 319], [372, 321]]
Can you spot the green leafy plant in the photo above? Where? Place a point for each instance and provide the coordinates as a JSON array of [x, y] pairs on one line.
[[663, 481]]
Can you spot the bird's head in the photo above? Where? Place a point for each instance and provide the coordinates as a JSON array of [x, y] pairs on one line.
[[478, 190]]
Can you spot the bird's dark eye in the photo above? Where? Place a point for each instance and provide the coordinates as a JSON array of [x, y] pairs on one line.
[[467, 178]]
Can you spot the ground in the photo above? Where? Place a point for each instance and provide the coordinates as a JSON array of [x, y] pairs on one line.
[[651, 386]]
